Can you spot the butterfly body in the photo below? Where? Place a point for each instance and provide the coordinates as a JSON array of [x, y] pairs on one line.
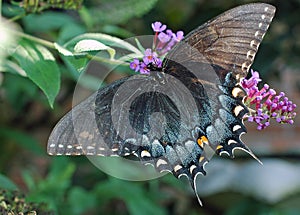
[[171, 117]]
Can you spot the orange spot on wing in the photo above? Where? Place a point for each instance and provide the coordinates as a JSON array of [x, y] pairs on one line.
[[202, 140], [201, 158], [219, 147], [200, 143]]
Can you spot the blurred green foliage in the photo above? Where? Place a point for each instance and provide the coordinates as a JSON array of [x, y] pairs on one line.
[[71, 185]]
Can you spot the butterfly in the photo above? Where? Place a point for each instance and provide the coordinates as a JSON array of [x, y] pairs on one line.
[[176, 116]]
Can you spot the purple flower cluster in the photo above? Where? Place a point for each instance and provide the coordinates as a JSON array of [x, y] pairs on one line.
[[164, 40], [265, 103]]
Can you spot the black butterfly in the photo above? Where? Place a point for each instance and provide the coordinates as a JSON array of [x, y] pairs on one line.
[[172, 117]]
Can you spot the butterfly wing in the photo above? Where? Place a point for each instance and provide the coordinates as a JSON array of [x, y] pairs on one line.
[[141, 115], [148, 115], [230, 40], [77, 132], [213, 58]]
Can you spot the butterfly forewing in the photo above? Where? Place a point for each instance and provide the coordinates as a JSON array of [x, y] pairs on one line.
[[230, 40]]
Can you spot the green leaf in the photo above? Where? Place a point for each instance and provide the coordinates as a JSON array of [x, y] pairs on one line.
[[19, 91], [46, 21], [88, 45], [92, 42], [10, 10], [29, 180], [87, 200], [103, 38], [53, 188], [40, 66], [116, 12], [117, 31], [149, 207], [6, 183], [139, 45], [86, 17], [12, 67], [91, 82], [61, 170], [62, 50], [69, 31], [22, 139], [132, 193], [75, 65]]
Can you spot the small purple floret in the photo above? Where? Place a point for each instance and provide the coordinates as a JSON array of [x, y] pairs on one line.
[[143, 68], [266, 103], [135, 65], [178, 36], [163, 37], [158, 27]]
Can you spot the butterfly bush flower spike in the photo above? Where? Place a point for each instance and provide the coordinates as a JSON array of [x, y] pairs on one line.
[[163, 41], [266, 104]]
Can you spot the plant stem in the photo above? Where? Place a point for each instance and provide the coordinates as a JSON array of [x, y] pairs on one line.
[[105, 60], [52, 46], [36, 39], [15, 18]]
